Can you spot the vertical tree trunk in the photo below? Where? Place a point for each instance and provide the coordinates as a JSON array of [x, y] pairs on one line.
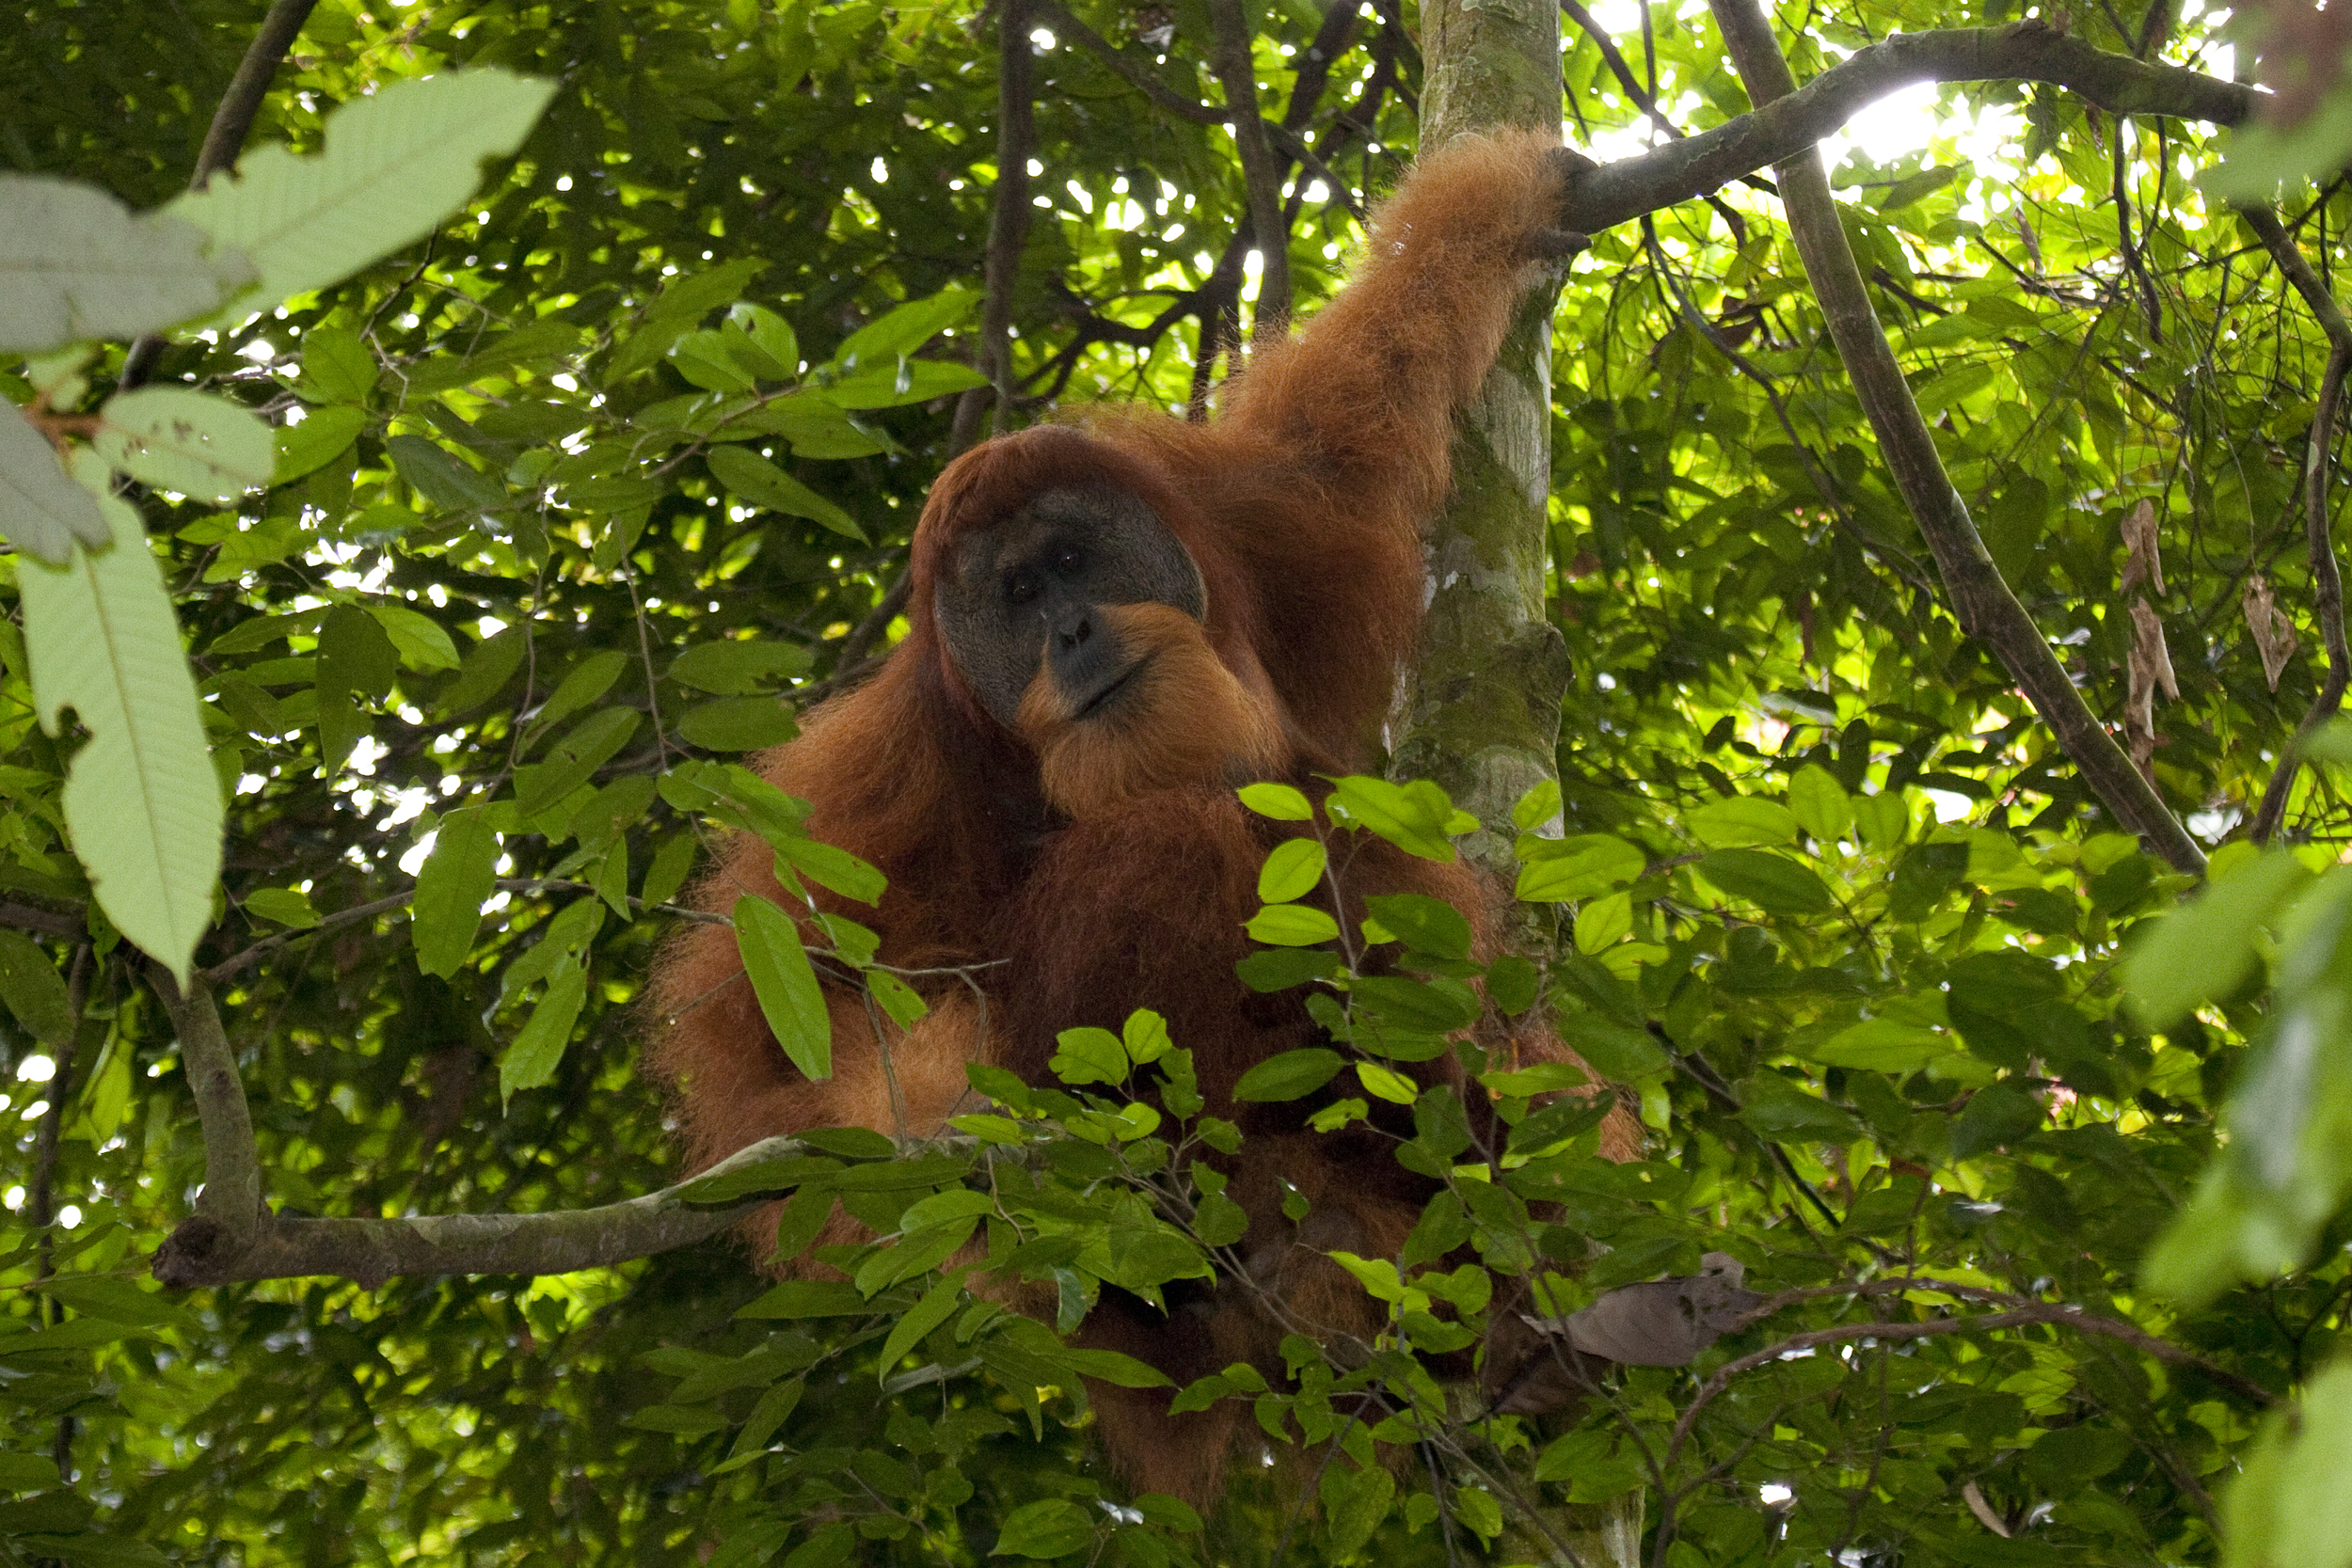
[[1480, 711]]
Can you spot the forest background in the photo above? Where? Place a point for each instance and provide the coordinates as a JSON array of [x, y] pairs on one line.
[[506, 523]]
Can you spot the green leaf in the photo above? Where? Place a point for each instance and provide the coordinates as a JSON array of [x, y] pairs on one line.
[[1423, 923], [1052, 1527], [33, 988], [337, 368], [446, 481], [1291, 871], [142, 803], [1273, 969], [1290, 1075], [424, 643], [532, 1060], [589, 680], [755, 480], [456, 880], [737, 724], [43, 512], [909, 381], [1742, 820], [837, 869], [1089, 1057], [1292, 925], [573, 760], [786, 987], [1820, 803], [732, 668], [2205, 949], [1883, 1045], [907, 328], [2288, 1505], [937, 1305], [1277, 800], [1557, 870], [75, 264], [1780, 885], [322, 435], [396, 162], [175, 439], [1416, 817], [287, 906]]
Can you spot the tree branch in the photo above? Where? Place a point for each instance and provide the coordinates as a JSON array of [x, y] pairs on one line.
[[1783, 127], [1237, 74], [1008, 219], [231, 122], [201, 1252], [230, 1202], [1980, 599]]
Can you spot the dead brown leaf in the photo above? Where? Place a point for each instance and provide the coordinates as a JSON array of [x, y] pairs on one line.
[[2273, 635], [2142, 562]]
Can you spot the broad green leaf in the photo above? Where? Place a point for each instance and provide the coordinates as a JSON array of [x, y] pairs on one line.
[[42, 511], [2205, 949], [1289, 1075], [287, 906], [1416, 817], [837, 869], [573, 759], [455, 881], [2288, 1507], [1883, 1045], [1604, 921], [737, 724], [76, 264], [445, 480], [1277, 800], [1387, 1083], [1089, 1057], [336, 367], [733, 669], [1292, 925], [785, 985], [531, 1061], [142, 802], [1780, 885], [936, 1307], [175, 439], [396, 162], [33, 989], [589, 680], [1292, 870], [761, 482], [1557, 870], [1820, 803], [1423, 923], [907, 328], [422, 642], [1052, 1527], [485, 671], [1742, 820], [322, 435], [909, 381]]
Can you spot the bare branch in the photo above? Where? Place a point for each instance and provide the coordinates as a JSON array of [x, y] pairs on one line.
[[225, 139], [1066, 25], [1784, 126], [1237, 74], [230, 1202], [370, 1251], [1008, 218], [1980, 599]]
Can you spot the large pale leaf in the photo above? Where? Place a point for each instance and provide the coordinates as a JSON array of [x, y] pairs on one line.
[[41, 511], [175, 439], [142, 803], [395, 164], [75, 263]]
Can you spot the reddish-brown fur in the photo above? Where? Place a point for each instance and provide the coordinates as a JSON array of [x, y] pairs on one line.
[[1102, 868]]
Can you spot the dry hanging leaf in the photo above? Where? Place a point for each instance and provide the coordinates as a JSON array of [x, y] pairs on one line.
[[2273, 635], [2149, 666], [2142, 564]]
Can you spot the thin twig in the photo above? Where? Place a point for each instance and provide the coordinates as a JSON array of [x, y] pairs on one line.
[[231, 122]]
